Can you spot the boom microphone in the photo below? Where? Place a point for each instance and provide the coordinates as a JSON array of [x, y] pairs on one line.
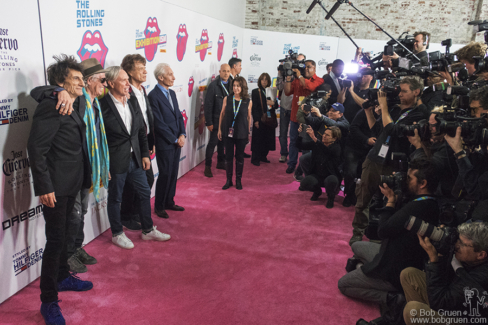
[[333, 10], [312, 5]]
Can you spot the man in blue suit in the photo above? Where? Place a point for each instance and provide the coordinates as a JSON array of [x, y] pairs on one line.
[[169, 130]]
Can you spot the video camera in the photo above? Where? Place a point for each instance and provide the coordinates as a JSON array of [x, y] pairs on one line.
[[315, 99], [289, 63]]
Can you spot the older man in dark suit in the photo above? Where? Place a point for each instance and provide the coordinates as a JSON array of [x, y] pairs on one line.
[[169, 129], [129, 157]]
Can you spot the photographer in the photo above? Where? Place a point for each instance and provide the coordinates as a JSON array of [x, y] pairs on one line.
[[465, 55], [332, 79], [325, 161], [478, 101], [420, 45], [430, 97], [378, 280], [453, 290], [357, 94], [303, 85], [334, 117], [390, 128]]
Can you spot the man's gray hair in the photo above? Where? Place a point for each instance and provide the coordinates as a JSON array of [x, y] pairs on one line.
[[112, 73], [161, 70], [477, 232]]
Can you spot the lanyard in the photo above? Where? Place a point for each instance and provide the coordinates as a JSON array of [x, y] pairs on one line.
[[224, 87], [238, 107], [404, 115], [423, 198]]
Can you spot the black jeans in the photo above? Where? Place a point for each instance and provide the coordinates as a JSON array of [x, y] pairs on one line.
[[55, 266], [239, 144], [76, 235], [130, 207], [314, 183], [212, 142], [353, 160]]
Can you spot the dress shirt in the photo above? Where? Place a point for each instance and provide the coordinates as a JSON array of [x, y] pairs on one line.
[[141, 99]]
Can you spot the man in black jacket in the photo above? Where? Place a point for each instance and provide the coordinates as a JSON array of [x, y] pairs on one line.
[[216, 91], [456, 291], [379, 278], [129, 157], [332, 79]]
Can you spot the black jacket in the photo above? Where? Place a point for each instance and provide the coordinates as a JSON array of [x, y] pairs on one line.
[[334, 91], [431, 98], [325, 160], [359, 133], [214, 100], [400, 248], [119, 140], [57, 148], [150, 117]]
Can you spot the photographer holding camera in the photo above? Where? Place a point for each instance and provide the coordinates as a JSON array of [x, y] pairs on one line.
[[303, 85], [390, 127], [455, 291], [357, 93], [325, 161], [378, 280], [466, 54]]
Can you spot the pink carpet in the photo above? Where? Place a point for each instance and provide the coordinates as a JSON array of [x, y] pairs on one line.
[[263, 255]]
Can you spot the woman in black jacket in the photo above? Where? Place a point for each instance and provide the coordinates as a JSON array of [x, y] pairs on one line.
[[326, 158], [263, 137]]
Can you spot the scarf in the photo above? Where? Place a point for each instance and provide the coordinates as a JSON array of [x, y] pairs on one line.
[[99, 158]]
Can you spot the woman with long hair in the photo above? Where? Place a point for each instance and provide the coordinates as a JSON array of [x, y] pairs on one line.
[[234, 122]]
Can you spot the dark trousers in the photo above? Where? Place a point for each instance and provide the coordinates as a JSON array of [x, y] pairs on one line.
[[314, 183], [76, 220], [353, 159], [55, 266], [212, 142], [306, 163], [284, 125], [168, 164], [259, 147], [239, 145], [130, 207], [137, 178]]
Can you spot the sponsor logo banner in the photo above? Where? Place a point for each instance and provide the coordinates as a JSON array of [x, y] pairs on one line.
[[150, 39]]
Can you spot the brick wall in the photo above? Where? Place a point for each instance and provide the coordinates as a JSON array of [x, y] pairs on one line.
[[442, 18]]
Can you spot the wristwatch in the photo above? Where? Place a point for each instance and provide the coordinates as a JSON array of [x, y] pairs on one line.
[[460, 154], [300, 77]]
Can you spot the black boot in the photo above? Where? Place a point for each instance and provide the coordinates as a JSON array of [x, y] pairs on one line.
[[229, 168], [220, 165], [239, 169]]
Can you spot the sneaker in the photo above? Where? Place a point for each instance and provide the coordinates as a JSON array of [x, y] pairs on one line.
[[51, 312], [155, 235], [74, 283], [122, 241], [290, 170], [282, 159], [131, 225], [75, 265], [84, 257]]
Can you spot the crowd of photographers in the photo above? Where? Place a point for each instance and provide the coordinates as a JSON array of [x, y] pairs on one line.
[[408, 134]]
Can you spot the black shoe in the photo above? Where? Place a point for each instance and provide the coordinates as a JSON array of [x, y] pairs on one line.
[[246, 155], [298, 178], [208, 171], [330, 202], [175, 207], [395, 303], [301, 189], [265, 160], [227, 184], [316, 195], [220, 165], [255, 163], [161, 213], [238, 184], [351, 264], [131, 225], [84, 257], [349, 200], [290, 170]]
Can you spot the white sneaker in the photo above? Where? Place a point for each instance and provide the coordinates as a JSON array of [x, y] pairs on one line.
[[122, 241], [282, 159], [156, 235]]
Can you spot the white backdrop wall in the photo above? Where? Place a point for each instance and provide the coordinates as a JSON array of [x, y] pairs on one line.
[[195, 46]]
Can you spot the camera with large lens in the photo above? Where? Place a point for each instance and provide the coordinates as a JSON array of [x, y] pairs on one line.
[[407, 41], [474, 131], [372, 99], [443, 239], [315, 99], [422, 128], [289, 63]]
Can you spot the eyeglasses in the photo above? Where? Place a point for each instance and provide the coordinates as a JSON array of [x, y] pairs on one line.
[[102, 80], [463, 244]]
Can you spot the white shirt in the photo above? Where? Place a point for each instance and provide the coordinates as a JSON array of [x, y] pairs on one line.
[[124, 112], [142, 104]]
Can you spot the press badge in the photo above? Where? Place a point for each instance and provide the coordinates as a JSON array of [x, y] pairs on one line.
[[231, 133], [384, 151], [269, 114]]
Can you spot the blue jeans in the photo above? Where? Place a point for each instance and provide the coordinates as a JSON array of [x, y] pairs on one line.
[[138, 180], [292, 161], [284, 124]]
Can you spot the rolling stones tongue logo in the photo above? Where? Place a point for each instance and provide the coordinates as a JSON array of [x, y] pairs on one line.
[[203, 44], [190, 86], [151, 32], [234, 53], [220, 49], [182, 38], [185, 117], [92, 46]]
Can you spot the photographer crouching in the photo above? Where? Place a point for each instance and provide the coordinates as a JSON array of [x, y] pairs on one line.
[[390, 127], [378, 280], [455, 293], [325, 161]]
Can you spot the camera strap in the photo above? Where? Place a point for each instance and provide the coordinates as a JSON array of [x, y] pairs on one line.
[[423, 198]]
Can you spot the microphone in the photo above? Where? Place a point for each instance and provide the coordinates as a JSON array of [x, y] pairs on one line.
[[333, 10], [312, 5]]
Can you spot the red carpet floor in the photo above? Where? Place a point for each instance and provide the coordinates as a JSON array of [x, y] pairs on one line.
[[263, 255]]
